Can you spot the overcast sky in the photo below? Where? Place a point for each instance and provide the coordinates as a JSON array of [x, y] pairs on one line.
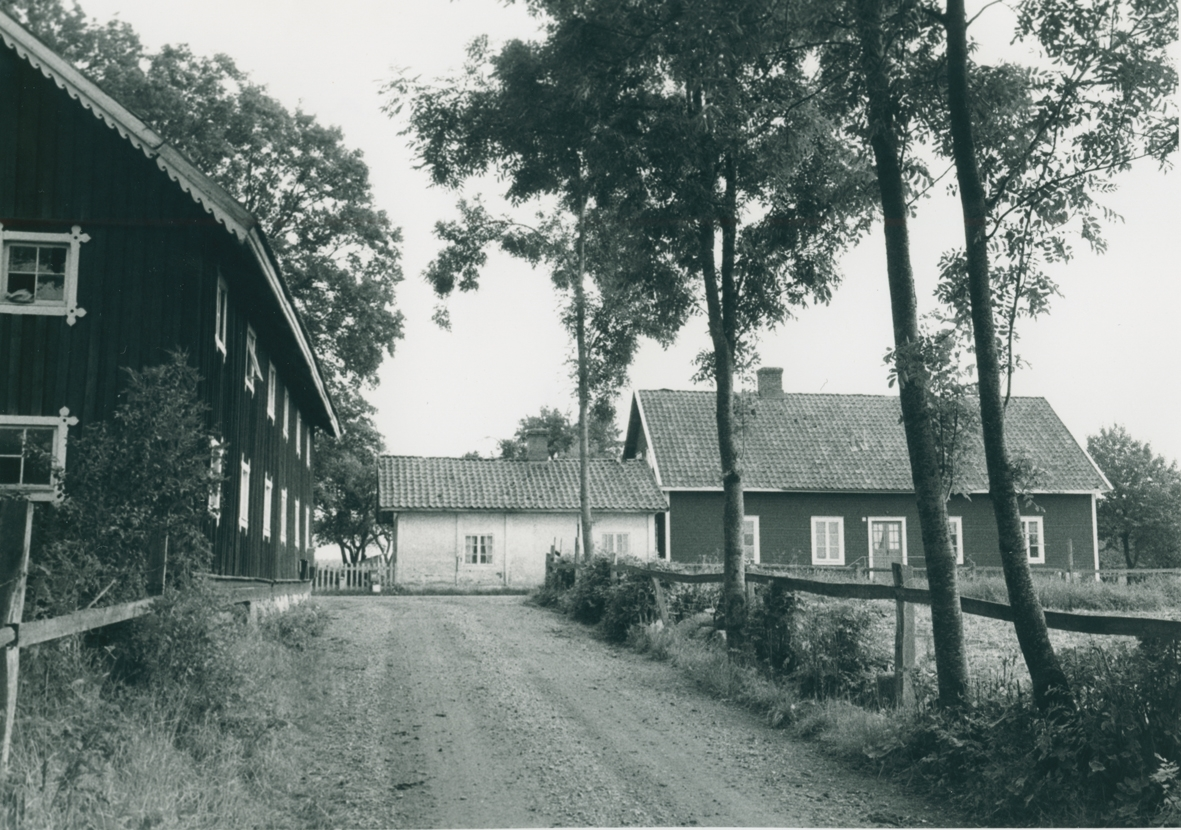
[[1110, 350]]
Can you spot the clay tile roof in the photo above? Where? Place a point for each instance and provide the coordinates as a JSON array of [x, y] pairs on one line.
[[841, 442], [417, 483]]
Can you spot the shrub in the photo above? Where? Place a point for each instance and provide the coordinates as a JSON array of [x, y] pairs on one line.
[[587, 600], [630, 601], [685, 600], [296, 627]]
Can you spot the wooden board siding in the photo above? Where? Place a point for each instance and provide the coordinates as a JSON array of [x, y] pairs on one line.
[[148, 280], [785, 526]]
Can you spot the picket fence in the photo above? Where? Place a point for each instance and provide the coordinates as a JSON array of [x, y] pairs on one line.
[[371, 576]]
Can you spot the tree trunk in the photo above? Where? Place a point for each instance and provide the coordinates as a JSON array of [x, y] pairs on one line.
[[1050, 686], [588, 545], [946, 617], [721, 303]]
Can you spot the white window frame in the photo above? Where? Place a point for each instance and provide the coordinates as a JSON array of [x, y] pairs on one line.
[[268, 502], [298, 433], [66, 307], [869, 531], [755, 556], [271, 376], [615, 543], [244, 496], [957, 522], [283, 516], [481, 553], [217, 471], [221, 315], [308, 456], [286, 411], [307, 527], [252, 368], [61, 424], [298, 517], [1041, 535], [840, 521]]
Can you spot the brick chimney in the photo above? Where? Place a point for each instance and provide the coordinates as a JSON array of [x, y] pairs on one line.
[[770, 382], [537, 445]]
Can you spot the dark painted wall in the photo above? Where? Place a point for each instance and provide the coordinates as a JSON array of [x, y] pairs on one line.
[[147, 279], [695, 521]]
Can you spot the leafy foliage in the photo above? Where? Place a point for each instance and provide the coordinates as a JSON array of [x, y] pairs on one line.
[[562, 435], [142, 475], [1141, 516]]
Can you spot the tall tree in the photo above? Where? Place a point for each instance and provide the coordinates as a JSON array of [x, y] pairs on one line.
[[743, 189], [887, 49], [562, 436], [1141, 516], [527, 113], [1104, 105]]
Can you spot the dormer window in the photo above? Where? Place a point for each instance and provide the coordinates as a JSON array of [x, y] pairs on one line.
[[39, 273]]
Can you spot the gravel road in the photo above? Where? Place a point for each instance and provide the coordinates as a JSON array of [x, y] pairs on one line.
[[489, 712]]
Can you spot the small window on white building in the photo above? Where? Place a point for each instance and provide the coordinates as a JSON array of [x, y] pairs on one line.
[[271, 377], [478, 550], [252, 368], [283, 516], [614, 543], [221, 315], [955, 526], [1035, 540], [31, 447], [828, 540], [267, 504], [39, 273], [244, 496], [750, 538]]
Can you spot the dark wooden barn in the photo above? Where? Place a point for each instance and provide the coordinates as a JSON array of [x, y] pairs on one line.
[[115, 251]]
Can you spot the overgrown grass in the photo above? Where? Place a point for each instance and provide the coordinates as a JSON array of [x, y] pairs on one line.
[[1152, 592], [166, 723]]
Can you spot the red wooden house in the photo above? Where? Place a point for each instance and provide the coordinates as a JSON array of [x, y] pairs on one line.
[[115, 250], [826, 481]]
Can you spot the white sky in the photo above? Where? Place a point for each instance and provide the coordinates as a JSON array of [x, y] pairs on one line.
[[1109, 351]]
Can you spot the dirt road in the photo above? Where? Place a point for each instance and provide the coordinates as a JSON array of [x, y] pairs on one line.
[[488, 712]]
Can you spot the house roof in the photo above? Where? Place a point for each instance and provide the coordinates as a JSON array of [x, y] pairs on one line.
[[848, 443], [214, 198], [446, 484]]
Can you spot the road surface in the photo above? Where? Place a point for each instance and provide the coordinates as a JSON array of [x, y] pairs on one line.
[[489, 712]]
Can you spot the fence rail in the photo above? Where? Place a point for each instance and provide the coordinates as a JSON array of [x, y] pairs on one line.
[[351, 578]]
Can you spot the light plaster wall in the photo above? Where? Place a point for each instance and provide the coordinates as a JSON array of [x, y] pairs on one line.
[[431, 545]]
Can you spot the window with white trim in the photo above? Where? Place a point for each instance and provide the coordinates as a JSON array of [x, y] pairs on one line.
[[615, 543], [283, 516], [955, 527], [887, 541], [308, 456], [298, 518], [217, 473], [307, 526], [1035, 539], [828, 540], [32, 449], [39, 273], [286, 411], [244, 496], [298, 438], [477, 550], [750, 538], [252, 368], [221, 315], [267, 503], [271, 391]]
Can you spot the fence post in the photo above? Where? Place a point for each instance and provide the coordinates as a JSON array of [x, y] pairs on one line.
[[157, 564], [903, 641], [16, 534], [661, 605]]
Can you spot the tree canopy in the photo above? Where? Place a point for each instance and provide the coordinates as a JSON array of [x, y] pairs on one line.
[[562, 434]]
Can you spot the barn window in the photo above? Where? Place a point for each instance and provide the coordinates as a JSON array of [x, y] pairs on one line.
[[252, 369], [221, 315], [283, 516], [828, 540], [478, 550], [244, 496], [1035, 540], [217, 472], [39, 273], [955, 526], [32, 448], [271, 391], [267, 503]]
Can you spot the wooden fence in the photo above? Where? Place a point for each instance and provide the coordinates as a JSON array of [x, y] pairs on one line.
[[366, 577], [16, 528], [905, 598]]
